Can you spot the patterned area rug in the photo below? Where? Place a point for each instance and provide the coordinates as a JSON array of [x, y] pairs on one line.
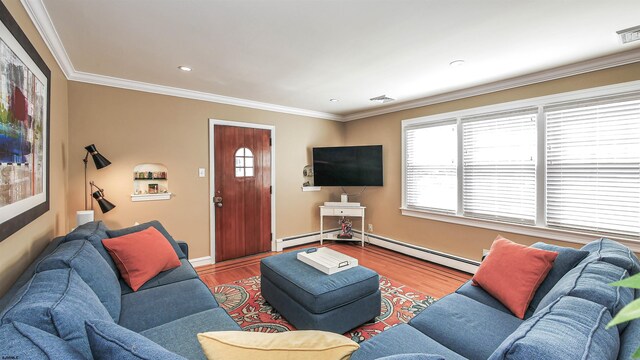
[[243, 301]]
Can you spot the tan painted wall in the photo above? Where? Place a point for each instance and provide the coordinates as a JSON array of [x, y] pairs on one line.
[[130, 127], [383, 203], [20, 249]]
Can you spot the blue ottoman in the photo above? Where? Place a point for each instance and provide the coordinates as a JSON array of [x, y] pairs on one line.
[[311, 299]]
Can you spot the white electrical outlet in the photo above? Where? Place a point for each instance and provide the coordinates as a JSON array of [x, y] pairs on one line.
[[201, 172], [370, 228]]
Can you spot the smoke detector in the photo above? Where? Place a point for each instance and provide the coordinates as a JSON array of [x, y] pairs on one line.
[[382, 99], [629, 35]]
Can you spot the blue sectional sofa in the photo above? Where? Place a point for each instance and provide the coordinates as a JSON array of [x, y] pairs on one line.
[[74, 280], [565, 321]]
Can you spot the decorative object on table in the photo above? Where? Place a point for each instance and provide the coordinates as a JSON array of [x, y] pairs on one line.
[[105, 205], [346, 231], [244, 302], [153, 188], [87, 215], [25, 87]]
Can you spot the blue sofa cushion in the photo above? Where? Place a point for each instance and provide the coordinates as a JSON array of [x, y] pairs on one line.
[[613, 253], [469, 328], [94, 232], [591, 281], [81, 256], [112, 341], [180, 336], [314, 290], [413, 357], [478, 294], [58, 302], [149, 308], [156, 224], [629, 340], [401, 340], [567, 259], [28, 273], [569, 328], [183, 272], [21, 341]]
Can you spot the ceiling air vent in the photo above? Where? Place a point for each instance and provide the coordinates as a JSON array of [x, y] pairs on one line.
[[629, 35], [382, 99]]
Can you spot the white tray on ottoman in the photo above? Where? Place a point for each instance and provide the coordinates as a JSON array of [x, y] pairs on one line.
[[328, 261]]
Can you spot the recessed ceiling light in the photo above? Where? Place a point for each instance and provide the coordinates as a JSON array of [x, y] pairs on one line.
[[334, 100], [456, 63], [184, 68]]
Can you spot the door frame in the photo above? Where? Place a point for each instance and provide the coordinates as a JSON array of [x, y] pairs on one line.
[[212, 179]]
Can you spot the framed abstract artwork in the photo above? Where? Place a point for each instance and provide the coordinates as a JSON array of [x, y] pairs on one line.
[[25, 91]]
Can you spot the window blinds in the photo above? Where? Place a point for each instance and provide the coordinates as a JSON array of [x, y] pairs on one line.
[[431, 167], [499, 166], [593, 165]]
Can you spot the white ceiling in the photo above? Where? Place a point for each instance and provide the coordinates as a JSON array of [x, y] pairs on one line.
[[297, 54]]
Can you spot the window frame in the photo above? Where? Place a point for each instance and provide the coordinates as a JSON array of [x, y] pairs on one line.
[[539, 229]]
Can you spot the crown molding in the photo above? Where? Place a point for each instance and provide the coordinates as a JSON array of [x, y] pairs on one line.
[[42, 21], [582, 67], [195, 95]]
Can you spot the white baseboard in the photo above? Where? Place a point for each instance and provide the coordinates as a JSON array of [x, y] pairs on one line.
[[438, 257], [291, 241], [416, 251], [201, 261]]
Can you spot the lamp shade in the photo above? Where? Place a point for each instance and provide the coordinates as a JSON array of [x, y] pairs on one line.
[[98, 159], [105, 205]]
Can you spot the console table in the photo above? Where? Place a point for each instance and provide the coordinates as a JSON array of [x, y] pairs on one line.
[[342, 211]]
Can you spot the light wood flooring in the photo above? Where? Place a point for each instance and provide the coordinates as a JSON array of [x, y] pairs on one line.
[[429, 278]]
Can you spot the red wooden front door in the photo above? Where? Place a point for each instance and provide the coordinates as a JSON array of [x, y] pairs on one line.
[[242, 191]]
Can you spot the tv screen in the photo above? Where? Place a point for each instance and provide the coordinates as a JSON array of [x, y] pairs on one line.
[[348, 166]]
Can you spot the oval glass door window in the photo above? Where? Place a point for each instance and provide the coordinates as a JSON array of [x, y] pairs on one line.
[[244, 162]]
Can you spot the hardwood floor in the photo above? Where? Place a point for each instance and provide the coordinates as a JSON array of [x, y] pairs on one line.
[[432, 279]]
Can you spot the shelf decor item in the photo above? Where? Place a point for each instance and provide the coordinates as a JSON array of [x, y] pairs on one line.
[[150, 182], [25, 88]]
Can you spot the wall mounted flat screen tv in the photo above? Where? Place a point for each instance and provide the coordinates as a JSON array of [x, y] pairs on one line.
[[348, 166]]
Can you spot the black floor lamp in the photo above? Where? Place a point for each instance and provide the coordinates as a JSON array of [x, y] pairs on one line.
[[100, 162]]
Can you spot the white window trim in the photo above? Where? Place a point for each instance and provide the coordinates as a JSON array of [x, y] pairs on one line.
[[530, 230]]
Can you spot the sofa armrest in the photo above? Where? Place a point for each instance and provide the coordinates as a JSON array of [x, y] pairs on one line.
[[184, 247]]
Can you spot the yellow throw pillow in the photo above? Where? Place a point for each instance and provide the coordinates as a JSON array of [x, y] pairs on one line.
[[289, 345]]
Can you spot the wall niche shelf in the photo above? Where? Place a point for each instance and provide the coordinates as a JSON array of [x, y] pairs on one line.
[[150, 183]]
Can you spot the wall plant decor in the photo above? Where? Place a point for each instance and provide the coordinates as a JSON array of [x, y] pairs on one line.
[[25, 87]]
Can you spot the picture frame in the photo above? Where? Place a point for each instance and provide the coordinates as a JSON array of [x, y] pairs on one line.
[[153, 188], [25, 97]]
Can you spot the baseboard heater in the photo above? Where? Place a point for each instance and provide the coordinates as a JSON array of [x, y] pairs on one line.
[[419, 252]]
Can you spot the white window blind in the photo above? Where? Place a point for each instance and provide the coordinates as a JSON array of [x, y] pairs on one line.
[[499, 166], [593, 165], [431, 167]]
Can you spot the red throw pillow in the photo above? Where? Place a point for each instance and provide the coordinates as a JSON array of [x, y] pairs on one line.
[[512, 273], [141, 255]]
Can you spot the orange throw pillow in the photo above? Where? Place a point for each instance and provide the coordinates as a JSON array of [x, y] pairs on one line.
[[512, 273], [141, 255]]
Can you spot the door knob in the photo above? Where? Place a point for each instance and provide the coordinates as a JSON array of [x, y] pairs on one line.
[[218, 201]]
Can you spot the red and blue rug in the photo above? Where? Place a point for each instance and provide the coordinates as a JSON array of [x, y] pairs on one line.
[[243, 301]]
